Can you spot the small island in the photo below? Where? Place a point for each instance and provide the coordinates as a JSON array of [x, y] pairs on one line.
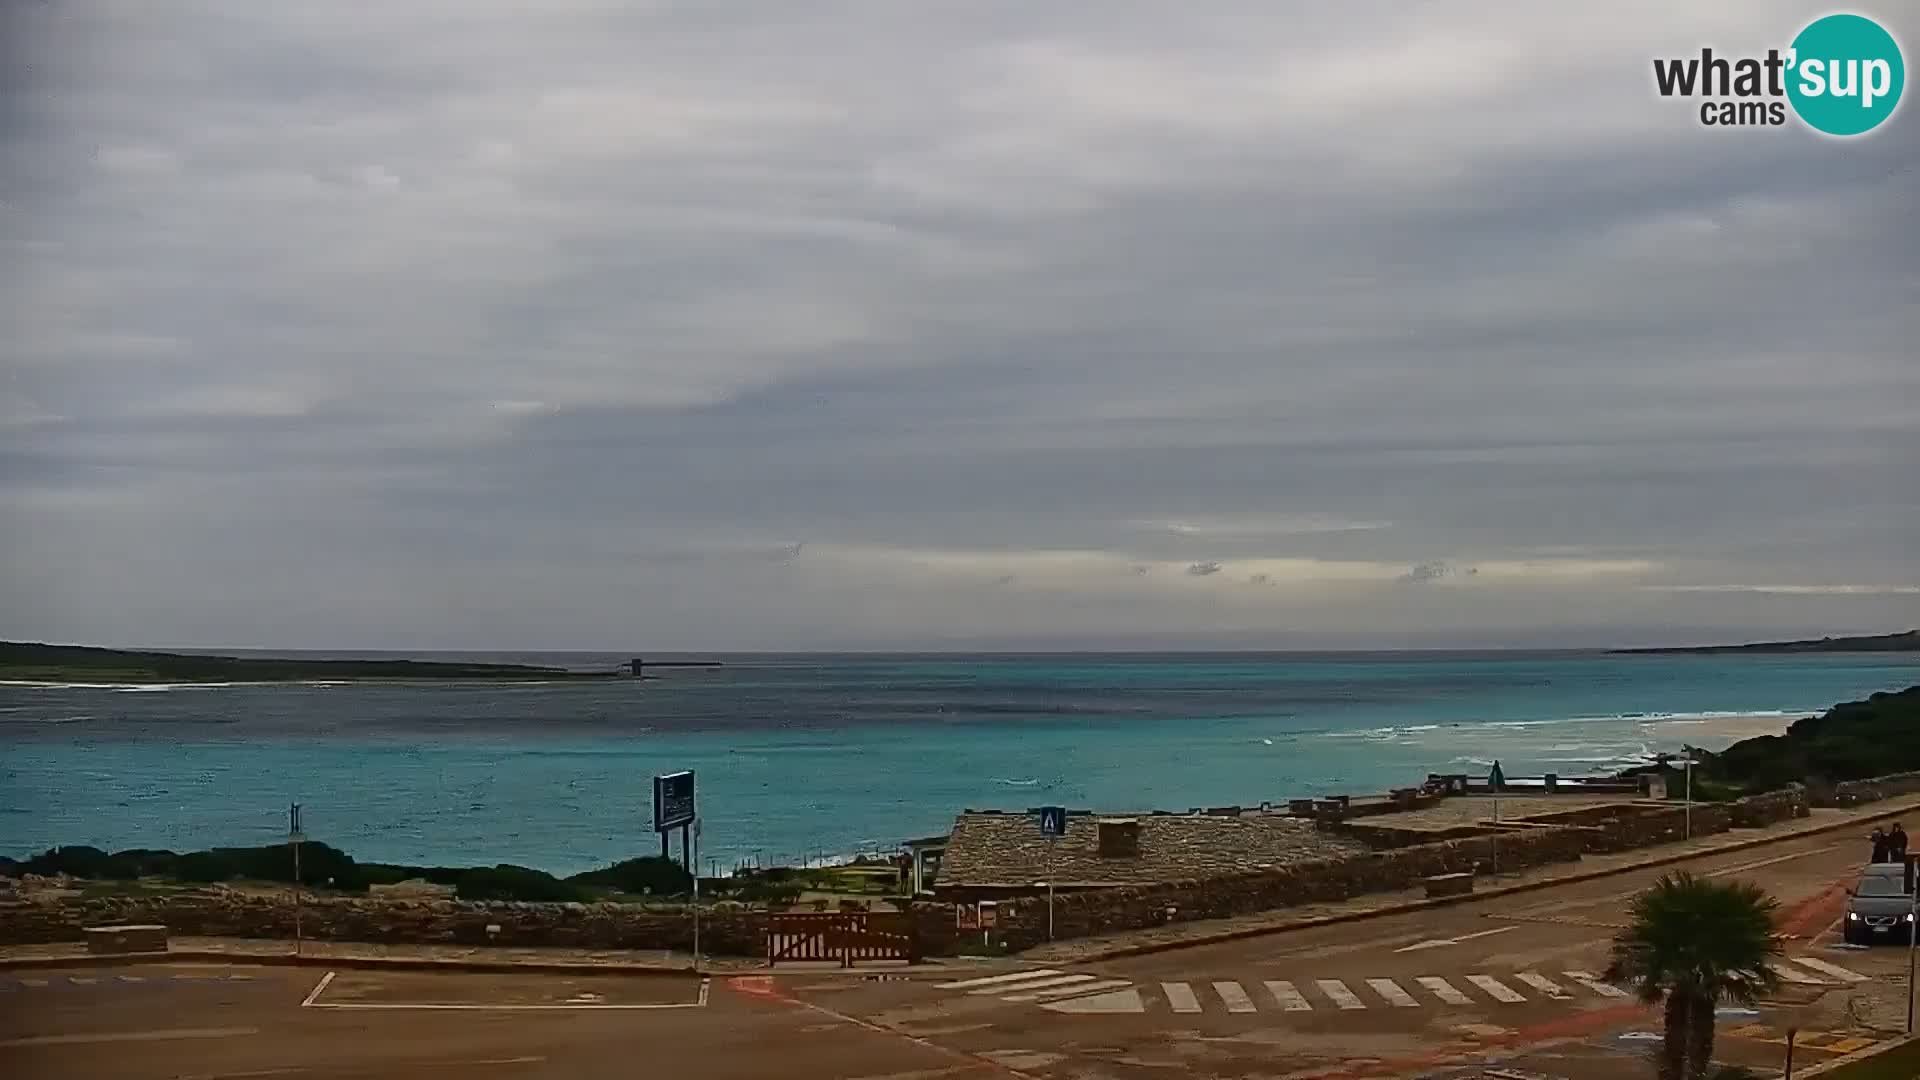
[[1908, 641], [27, 661]]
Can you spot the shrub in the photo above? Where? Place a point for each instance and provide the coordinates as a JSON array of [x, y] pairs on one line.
[[509, 882], [647, 874]]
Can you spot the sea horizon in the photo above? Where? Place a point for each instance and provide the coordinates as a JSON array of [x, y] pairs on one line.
[[808, 756]]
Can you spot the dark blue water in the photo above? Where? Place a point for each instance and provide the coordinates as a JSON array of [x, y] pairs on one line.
[[804, 756]]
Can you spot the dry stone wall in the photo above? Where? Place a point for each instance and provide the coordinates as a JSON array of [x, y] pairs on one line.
[[219, 913], [1856, 792]]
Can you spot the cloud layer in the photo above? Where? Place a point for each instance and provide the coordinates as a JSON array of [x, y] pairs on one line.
[[857, 324]]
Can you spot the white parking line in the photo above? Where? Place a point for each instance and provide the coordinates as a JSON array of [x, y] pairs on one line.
[[318, 988], [313, 1002], [1391, 991], [1594, 983], [1070, 991], [995, 980], [1235, 997], [1831, 969], [1795, 975], [1289, 998], [1180, 997], [1496, 989], [1443, 990], [1337, 991], [1544, 985], [1033, 984]]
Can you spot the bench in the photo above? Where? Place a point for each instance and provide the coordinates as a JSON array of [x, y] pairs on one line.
[[126, 939], [1449, 885]]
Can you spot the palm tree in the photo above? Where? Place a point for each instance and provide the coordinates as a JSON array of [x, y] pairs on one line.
[[1696, 943]]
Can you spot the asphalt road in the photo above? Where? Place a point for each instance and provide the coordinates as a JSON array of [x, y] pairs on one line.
[[1497, 988]]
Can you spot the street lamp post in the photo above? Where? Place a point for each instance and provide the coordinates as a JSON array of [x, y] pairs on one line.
[[1689, 768]]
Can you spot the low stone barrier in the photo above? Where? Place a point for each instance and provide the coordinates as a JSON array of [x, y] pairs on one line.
[[1856, 792], [217, 913], [1023, 922]]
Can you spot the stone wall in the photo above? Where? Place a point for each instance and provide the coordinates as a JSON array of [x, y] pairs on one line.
[[1856, 792], [1023, 923], [1759, 811], [221, 913]]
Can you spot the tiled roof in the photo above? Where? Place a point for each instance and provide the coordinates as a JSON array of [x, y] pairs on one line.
[[1007, 850]]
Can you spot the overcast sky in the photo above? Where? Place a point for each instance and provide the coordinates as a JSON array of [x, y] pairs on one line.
[[755, 324]]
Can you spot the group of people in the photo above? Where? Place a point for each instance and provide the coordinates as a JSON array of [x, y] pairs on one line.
[[1890, 846]]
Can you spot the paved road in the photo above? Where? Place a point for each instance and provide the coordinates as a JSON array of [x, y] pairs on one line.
[[1511, 980], [1505, 984], [144, 1022]]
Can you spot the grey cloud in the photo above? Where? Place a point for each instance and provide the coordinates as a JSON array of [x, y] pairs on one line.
[[518, 330]]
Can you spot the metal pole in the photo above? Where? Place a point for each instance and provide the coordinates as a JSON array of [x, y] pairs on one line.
[[1913, 945], [696, 896], [1791, 1032], [293, 839], [1051, 841], [1689, 751]]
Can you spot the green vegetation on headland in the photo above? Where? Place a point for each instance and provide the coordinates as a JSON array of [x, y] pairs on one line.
[[1908, 641], [28, 661], [1855, 740], [323, 866]]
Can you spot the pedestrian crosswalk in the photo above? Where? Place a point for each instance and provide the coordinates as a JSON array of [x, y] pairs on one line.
[[1083, 992]]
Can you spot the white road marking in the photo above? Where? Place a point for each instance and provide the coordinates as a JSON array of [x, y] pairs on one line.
[[1180, 997], [1440, 943], [1544, 985], [1395, 996], [82, 980], [33, 982], [1443, 990], [131, 978], [132, 1036], [995, 980], [1289, 998], [313, 1002], [318, 988], [1594, 983], [1337, 991], [1795, 975], [1235, 997], [1033, 984], [1831, 969], [1496, 989], [1117, 1001], [1070, 991]]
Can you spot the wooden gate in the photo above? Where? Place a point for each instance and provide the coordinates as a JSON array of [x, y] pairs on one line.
[[846, 937]]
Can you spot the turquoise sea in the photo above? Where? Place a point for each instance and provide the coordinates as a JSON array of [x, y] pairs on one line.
[[817, 756]]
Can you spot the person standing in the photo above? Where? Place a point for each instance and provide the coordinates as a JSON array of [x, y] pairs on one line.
[[1882, 847], [1897, 844]]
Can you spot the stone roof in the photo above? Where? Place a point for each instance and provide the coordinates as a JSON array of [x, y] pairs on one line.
[[994, 850]]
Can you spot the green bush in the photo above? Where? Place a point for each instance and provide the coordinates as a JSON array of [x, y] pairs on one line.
[[509, 882], [647, 874], [1855, 740]]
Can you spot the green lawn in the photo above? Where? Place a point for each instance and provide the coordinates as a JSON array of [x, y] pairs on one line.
[[1901, 1064]]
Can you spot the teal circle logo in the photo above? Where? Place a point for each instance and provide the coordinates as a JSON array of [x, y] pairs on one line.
[[1847, 75]]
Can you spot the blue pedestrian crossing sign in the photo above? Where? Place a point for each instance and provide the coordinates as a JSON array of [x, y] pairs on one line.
[[1053, 821]]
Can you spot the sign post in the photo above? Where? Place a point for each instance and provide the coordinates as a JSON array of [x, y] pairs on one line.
[[696, 896], [1496, 780], [294, 836], [1053, 825], [673, 808]]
